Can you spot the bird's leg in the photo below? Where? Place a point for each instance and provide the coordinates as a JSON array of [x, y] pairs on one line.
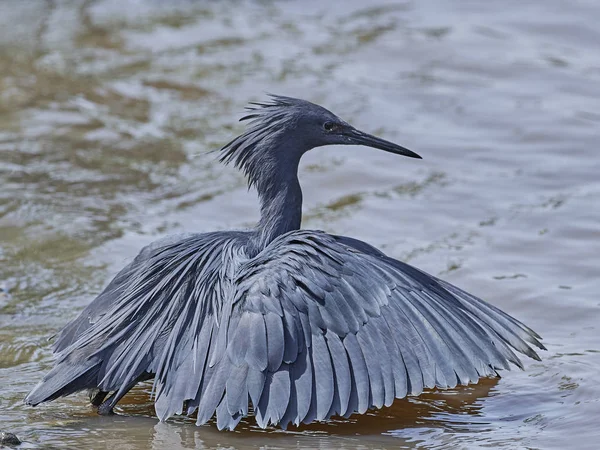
[[97, 398], [106, 407]]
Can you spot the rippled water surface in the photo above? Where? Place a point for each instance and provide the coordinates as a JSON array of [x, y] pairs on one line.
[[108, 110]]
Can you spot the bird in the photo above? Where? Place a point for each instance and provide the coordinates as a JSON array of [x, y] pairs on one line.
[[289, 325]]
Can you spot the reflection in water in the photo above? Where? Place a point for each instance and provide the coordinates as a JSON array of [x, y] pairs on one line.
[[108, 110], [402, 423]]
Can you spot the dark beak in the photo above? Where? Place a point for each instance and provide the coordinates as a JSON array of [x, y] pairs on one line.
[[357, 137]]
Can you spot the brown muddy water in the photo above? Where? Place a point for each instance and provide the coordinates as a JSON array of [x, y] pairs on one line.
[[108, 110]]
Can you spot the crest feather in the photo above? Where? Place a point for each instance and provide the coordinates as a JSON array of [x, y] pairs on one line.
[[266, 121]]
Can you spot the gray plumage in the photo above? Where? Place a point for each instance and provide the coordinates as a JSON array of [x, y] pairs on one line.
[[298, 325]]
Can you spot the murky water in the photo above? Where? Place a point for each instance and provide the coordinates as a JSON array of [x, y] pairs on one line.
[[108, 109]]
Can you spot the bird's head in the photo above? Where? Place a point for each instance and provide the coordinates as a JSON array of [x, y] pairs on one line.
[[285, 128]]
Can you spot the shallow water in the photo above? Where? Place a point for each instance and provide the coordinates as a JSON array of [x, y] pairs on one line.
[[108, 110]]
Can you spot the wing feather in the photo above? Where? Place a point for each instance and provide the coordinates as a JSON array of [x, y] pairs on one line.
[[373, 364], [323, 376], [359, 371], [275, 342], [341, 368], [302, 378], [386, 355]]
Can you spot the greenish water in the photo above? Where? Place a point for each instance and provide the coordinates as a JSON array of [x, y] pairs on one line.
[[108, 110]]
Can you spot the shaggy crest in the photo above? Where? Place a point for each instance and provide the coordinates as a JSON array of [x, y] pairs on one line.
[[267, 122]]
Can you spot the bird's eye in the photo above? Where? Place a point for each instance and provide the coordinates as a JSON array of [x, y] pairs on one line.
[[329, 126]]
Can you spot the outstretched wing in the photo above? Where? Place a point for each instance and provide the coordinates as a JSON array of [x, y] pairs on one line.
[[322, 325], [314, 325], [104, 302], [157, 318]]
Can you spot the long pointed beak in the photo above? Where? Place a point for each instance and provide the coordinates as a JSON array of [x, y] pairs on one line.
[[357, 137]]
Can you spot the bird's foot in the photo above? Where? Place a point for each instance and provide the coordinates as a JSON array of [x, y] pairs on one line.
[[106, 407]]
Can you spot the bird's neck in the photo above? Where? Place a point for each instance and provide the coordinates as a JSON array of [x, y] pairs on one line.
[[280, 204]]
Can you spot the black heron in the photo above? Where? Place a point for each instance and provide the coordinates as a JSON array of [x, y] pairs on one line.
[[301, 324]]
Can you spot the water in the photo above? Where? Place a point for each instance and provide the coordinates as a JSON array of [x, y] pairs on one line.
[[108, 108]]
